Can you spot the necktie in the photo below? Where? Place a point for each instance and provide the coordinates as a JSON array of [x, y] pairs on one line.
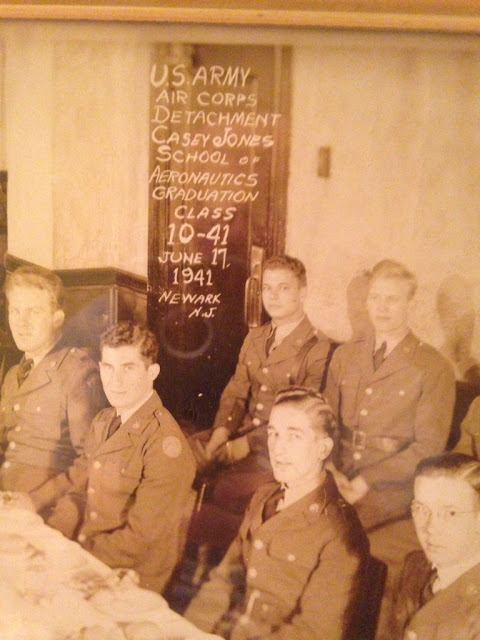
[[270, 341], [24, 369], [379, 355], [114, 425], [270, 506]]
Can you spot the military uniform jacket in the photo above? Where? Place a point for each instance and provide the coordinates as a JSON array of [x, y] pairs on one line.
[[451, 614], [44, 422], [247, 399], [129, 492], [404, 411], [301, 568]]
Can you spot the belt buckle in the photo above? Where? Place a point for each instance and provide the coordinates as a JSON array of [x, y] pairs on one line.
[[359, 440]]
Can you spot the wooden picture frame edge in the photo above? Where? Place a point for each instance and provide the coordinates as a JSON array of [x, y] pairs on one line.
[[460, 16]]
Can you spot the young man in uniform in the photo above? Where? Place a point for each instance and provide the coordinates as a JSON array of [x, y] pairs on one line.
[[439, 596], [50, 398], [130, 486], [286, 350], [300, 548], [393, 395]]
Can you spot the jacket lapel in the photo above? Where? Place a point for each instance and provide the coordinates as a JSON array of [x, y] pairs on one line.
[[128, 433], [260, 341], [398, 359], [305, 511], [41, 375], [291, 345]]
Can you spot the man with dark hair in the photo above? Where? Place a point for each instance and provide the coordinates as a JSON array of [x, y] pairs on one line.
[[286, 350], [130, 487], [50, 398], [439, 595], [394, 396], [300, 548]]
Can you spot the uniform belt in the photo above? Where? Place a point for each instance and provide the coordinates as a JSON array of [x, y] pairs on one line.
[[360, 440]]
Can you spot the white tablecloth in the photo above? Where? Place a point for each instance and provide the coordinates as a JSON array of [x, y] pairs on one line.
[[52, 589]]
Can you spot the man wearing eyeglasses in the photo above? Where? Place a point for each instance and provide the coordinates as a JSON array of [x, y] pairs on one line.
[[439, 596]]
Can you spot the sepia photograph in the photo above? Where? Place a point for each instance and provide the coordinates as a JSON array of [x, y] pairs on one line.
[[240, 320]]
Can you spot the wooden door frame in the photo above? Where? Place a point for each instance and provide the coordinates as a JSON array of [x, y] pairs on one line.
[[453, 16]]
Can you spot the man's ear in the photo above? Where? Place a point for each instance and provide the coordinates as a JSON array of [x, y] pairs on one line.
[[153, 371], [325, 446], [58, 318]]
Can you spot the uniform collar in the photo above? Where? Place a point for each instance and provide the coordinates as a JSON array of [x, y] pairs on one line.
[[297, 492], [284, 330], [390, 342], [47, 351], [128, 414], [448, 575]]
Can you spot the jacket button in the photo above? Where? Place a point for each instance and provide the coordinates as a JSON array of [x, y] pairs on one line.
[[264, 388], [93, 515], [244, 619], [82, 537], [357, 455], [401, 392], [18, 428], [97, 464], [291, 557], [90, 490], [12, 445], [16, 407], [265, 370], [259, 406], [258, 544], [364, 412], [256, 421], [252, 572], [38, 409], [369, 391], [6, 465]]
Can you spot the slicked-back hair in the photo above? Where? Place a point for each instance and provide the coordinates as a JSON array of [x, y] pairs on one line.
[[289, 263], [127, 333], [395, 270], [313, 403], [452, 465], [36, 277]]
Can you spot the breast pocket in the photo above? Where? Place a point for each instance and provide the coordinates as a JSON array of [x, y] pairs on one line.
[[303, 553], [120, 473], [42, 418], [292, 564]]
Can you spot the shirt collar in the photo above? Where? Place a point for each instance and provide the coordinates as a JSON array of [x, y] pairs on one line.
[[298, 491], [284, 330], [448, 575], [391, 342], [125, 415], [45, 352]]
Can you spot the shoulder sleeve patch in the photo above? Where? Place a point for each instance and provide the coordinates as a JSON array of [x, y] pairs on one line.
[[172, 446]]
